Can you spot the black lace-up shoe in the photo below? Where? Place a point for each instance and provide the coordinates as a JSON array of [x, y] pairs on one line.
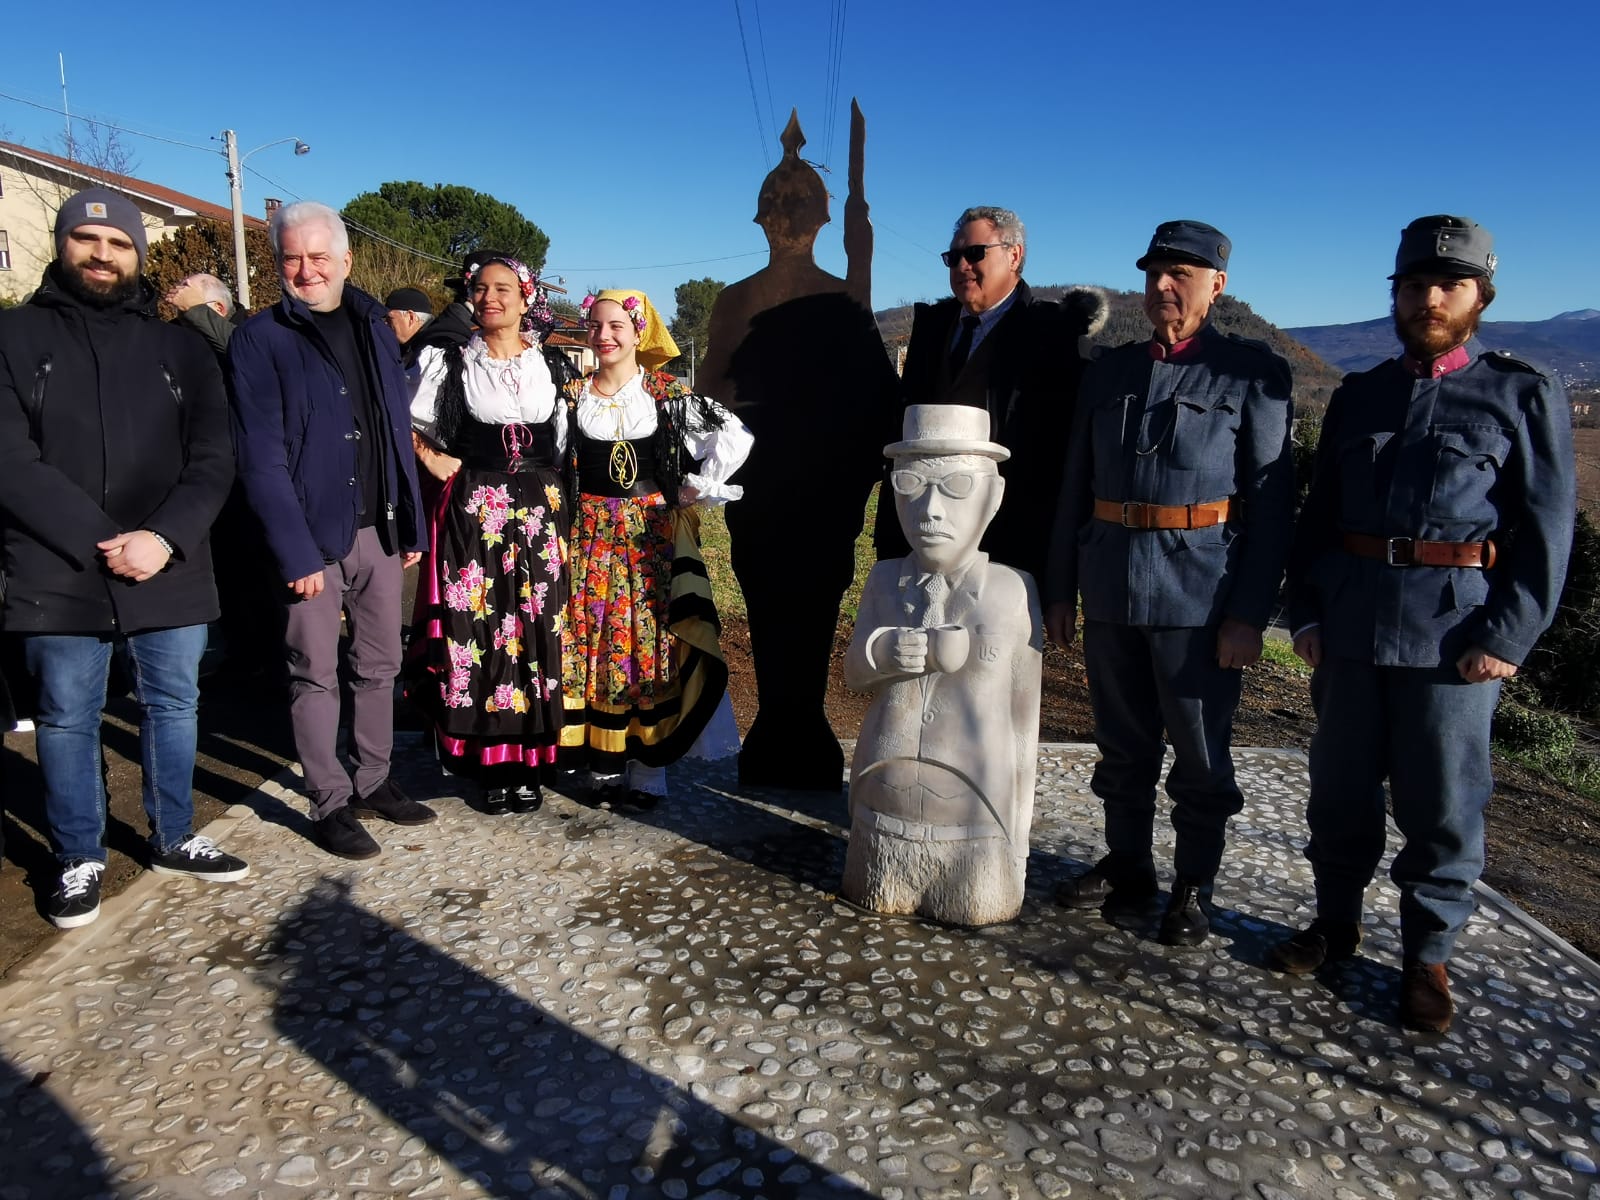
[[388, 803], [340, 834], [76, 900], [1116, 881], [199, 858], [1185, 923]]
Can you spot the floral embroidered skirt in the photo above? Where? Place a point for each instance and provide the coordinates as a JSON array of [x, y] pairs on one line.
[[642, 670], [485, 656]]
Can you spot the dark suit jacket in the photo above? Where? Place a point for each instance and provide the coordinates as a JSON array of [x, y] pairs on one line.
[[1026, 373]]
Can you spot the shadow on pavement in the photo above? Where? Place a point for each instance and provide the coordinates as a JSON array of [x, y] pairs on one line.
[[45, 1151], [507, 1094]]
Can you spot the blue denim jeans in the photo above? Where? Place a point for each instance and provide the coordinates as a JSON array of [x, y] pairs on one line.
[[71, 673]]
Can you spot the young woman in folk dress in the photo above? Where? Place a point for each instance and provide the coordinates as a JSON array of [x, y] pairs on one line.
[[486, 659], [642, 671]]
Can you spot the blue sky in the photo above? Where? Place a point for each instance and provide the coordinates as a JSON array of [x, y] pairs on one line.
[[1309, 133]]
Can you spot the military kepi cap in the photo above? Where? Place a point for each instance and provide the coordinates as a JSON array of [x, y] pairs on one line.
[[1444, 245], [1188, 241]]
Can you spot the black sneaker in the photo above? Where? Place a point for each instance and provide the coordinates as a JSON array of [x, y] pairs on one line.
[[340, 834], [77, 896], [389, 803], [198, 857]]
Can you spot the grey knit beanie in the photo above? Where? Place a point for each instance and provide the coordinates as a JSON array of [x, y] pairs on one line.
[[101, 206]]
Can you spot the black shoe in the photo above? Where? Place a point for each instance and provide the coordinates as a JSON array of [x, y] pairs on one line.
[[1116, 881], [1318, 943], [496, 802], [389, 803], [615, 796], [340, 834], [197, 856], [1185, 922], [76, 900], [527, 799]]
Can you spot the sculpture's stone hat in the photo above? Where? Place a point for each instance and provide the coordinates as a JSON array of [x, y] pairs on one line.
[[937, 429], [1188, 241], [1445, 245]]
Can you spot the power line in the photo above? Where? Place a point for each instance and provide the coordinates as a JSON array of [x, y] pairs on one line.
[[358, 226], [766, 155], [834, 76], [766, 75], [154, 137], [653, 267]]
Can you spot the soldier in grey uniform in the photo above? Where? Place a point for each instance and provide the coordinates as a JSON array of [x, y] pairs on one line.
[[1428, 559], [1174, 524]]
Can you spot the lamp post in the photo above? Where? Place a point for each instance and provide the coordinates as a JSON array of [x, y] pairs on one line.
[[241, 265]]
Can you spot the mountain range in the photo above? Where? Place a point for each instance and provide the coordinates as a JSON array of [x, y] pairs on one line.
[[1569, 342]]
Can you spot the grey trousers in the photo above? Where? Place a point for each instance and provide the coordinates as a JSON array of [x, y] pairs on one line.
[[365, 586]]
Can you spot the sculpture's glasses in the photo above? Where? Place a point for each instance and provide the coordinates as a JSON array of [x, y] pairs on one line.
[[971, 255], [957, 485]]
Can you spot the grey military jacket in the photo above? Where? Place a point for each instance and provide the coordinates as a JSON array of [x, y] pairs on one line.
[[1212, 425], [1481, 452]]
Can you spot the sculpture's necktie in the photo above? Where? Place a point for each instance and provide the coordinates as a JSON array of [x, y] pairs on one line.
[[963, 346], [936, 589]]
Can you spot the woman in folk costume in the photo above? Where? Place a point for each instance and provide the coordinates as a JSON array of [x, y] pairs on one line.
[[486, 652], [643, 673]]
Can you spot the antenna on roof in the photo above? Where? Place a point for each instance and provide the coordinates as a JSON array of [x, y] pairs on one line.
[[67, 111]]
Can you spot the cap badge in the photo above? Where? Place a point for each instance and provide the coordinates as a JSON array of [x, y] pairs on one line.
[[95, 208]]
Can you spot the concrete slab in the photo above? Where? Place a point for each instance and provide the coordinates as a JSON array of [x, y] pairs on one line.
[[580, 1003]]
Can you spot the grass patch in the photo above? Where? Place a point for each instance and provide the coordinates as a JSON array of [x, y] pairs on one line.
[[1281, 655]]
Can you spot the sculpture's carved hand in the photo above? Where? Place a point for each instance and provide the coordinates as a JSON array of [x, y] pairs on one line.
[[908, 650]]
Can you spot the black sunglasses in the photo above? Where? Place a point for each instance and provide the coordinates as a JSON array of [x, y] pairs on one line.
[[971, 255]]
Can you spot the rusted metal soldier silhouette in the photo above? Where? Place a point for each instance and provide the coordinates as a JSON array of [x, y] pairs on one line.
[[795, 352]]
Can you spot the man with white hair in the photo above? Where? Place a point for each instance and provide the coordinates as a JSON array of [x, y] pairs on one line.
[[409, 310], [322, 432]]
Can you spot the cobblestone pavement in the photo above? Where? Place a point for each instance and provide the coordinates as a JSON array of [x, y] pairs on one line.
[[580, 1004]]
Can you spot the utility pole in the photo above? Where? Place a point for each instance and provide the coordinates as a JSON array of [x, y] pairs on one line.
[[691, 362], [241, 262]]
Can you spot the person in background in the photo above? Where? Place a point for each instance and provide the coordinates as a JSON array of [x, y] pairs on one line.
[[410, 311]]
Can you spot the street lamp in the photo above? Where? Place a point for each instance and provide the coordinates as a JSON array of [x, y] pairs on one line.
[[236, 161]]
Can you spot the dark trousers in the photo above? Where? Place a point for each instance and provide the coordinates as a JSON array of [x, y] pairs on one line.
[[1425, 730], [365, 586], [1143, 680]]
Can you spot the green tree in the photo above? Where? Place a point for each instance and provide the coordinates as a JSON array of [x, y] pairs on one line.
[[689, 326], [206, 248], [448, 220]]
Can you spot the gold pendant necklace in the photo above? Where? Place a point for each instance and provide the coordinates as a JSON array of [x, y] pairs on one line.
[[624, 464]]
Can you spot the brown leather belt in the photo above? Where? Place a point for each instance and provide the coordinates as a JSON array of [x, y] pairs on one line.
[[1414, 552], [1134, 515]]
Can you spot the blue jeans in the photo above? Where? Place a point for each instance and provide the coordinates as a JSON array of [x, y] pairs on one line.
[[71, 672]]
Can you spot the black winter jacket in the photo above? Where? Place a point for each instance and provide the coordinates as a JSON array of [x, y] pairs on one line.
[[110, 421]]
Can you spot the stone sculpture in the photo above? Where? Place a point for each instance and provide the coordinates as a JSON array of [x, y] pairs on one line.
[[795, 353], [941, 788]]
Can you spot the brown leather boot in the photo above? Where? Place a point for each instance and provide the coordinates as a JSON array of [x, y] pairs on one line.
[[1425, 1002]]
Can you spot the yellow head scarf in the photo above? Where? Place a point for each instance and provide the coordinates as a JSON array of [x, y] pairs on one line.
[[656, 347]]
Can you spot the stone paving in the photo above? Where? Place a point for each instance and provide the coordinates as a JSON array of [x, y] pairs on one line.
[[575, 1003]]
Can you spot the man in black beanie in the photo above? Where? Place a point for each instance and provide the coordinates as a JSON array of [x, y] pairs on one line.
[[114, 461]]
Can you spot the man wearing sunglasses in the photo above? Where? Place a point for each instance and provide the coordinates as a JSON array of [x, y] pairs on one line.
[[1174, 524], [994, 345]]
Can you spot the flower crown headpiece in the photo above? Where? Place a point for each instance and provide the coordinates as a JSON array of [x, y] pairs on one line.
[[539, 317], [630, 305]]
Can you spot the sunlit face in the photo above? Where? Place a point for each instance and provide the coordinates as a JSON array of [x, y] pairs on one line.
[[312, 271], [944, 505], [611, 333], [1433, 314], [497, 298], [103, 262], [1178, 296], [983, 284]]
